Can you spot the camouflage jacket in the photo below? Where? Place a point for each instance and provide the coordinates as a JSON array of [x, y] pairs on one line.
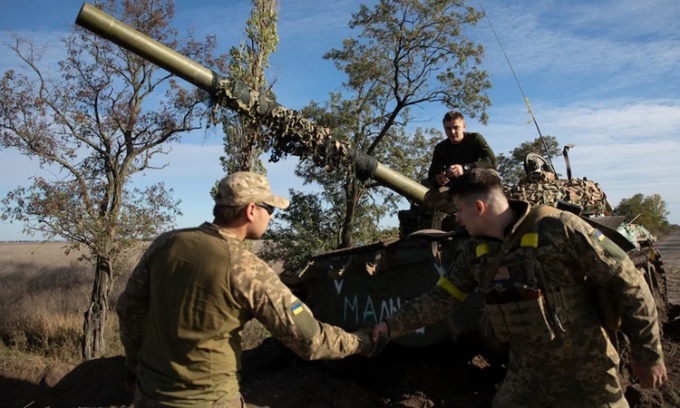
[[569, 253], [184, 307]]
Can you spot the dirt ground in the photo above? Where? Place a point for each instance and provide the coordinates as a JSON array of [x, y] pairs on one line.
[[444, 375]]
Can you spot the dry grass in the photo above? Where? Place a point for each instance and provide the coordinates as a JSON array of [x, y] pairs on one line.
[[44, 294]]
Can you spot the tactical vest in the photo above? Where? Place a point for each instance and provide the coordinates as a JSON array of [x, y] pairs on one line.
[[531, 311]]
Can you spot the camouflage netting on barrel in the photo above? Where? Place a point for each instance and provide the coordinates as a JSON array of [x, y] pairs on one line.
[[544, 188], [288, 131]]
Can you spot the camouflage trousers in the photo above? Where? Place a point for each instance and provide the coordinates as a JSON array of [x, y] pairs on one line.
[[578, 370], [142, 402], [516, 393]]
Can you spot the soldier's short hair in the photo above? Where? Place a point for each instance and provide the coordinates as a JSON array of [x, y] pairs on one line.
[[452, 115], [475, 182], [226, 214]]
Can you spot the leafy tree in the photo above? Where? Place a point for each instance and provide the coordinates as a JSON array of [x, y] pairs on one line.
[[243, 141], [306, 228], [649, 211], [302, 230], [356, 207], [511, 167], [408, 52], [94, 124]]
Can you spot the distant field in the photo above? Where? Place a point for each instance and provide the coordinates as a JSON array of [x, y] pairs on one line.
[[44, 293], [34, 252]]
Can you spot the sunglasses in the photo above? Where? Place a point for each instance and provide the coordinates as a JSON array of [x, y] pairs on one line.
[[270, 209]]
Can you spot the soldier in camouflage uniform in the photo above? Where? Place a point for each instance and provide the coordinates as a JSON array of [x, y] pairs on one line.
[[539, 269], [184, 307]]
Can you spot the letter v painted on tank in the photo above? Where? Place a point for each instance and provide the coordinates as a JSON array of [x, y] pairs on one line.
[[338, 285], [358, 287]]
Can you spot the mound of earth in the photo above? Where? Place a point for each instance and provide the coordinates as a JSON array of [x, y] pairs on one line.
[[446, 374]]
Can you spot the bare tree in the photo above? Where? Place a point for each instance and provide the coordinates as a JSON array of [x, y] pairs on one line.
[[95, 123]]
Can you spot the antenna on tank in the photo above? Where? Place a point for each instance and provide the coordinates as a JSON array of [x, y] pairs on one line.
[[526, 99]]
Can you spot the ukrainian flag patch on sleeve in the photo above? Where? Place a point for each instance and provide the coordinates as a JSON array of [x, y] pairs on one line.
[[609, 246], [297, 308], [302, 318]]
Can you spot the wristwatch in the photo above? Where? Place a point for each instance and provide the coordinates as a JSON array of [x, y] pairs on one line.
[[466, 167]]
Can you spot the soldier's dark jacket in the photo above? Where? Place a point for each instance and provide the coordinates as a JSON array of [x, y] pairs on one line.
[[562, 356], [473, 150], [184, 307]]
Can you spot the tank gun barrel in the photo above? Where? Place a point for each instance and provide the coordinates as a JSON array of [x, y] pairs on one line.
[[369, 167], [107, 26], [290, 132]]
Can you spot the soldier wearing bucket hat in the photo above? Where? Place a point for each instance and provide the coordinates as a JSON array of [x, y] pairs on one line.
[[184, 307]]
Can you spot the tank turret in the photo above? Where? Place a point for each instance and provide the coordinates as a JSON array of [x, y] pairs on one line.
[[541, 185]]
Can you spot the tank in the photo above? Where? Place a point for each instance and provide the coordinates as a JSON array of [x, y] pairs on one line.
[[356, 287], [359, 286]]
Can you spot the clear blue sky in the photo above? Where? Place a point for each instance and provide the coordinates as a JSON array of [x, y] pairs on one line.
[[602, 75]]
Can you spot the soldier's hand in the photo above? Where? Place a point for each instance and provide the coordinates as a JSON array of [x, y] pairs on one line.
[[379, 340], [370, 348], [379, 345], [455, 170], [650, 375], [380, 329], [441, 179], [380, 336]]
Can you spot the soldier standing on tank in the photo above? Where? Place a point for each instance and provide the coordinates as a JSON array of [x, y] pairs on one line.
[[538, 270], [459, 153], [184, 307]]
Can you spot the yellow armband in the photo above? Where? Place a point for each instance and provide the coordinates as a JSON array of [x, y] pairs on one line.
[[451, 289]]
